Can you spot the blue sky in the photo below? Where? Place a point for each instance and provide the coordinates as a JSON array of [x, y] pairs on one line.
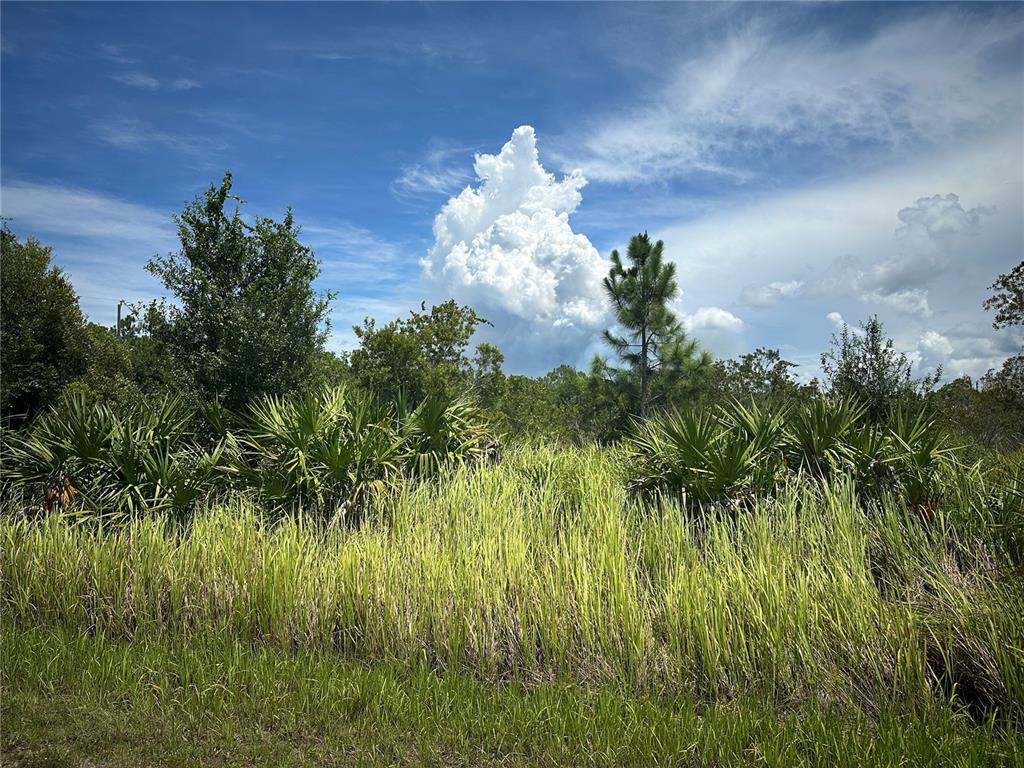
[[806, 165]]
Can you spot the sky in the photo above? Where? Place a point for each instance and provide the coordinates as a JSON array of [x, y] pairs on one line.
[[806, 165]]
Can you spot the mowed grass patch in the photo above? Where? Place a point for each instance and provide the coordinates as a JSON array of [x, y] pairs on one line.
[[79, 698]]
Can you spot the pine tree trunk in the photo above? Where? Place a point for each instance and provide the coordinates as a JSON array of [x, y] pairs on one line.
[[643, 373]]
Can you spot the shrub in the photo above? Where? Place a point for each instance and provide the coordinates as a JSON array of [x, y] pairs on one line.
[[736, 452], [84, 452], [326, 452]]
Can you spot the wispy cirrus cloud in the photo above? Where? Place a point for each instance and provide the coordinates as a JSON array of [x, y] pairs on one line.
[[101, 240], [137, 80], [757, 95], [442, 171], [75, 212], [350, 254], [393, 46], [149, 83], [116, 54]]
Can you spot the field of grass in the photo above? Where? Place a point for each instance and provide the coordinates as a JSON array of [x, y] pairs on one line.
[[75, 698], [524, 613]]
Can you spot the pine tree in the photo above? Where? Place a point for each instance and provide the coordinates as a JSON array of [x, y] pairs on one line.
[[653, 347]]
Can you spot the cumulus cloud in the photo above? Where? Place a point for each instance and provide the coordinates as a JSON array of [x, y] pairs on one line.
[[840, 323], [969, 348], [911, 301], [933, 350], [716, 329], [837, 320], [711, 318], [928, 233], [926, 245], [505, 246]]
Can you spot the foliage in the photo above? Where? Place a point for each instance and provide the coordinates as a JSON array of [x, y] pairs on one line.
[[564, 406], [1008, 299], [991, 412], [699, 457], [654, 348], [864, 365], [440, 433], [327, 453], [248, 320], [807, 596], [109, 375], [735, 454], [42, 336], [82, 454], [424, 354], [763, 376], [488, 378]]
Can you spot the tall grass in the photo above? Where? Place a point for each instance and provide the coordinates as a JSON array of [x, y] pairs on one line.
[[543, 568]]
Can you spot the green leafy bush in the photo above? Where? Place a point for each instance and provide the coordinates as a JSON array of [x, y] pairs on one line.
[[84, 454], [736, 452], [327, 452]]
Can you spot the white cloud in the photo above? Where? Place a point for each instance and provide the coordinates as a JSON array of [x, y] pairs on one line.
[[926, 243], [910, 301], [772, 293], [418, 180], [350, 254], [711, 318], [828, 234], [116, 54], [55, 209], [102, 241], [970, 348], [150, 83], [183, 84], [137, 80], [929, 232], [840, 323], [925, 80], [505, 246], [716, 329], [134, 134], [440, 172], [934, 349]]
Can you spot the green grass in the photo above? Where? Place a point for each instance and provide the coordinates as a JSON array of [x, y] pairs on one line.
[[80, 699], [526, 612]]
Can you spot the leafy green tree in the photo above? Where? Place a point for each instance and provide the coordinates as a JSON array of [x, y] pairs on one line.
[[109, 375], [1008, 302], [1008, 299], [488, 378], [248, 320], [990, 412], [867, 367], [762, 376], [424, 354], [42, 335], [656, 352], [528, 408]]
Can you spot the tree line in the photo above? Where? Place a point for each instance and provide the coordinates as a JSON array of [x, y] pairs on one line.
[[247, 321]]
